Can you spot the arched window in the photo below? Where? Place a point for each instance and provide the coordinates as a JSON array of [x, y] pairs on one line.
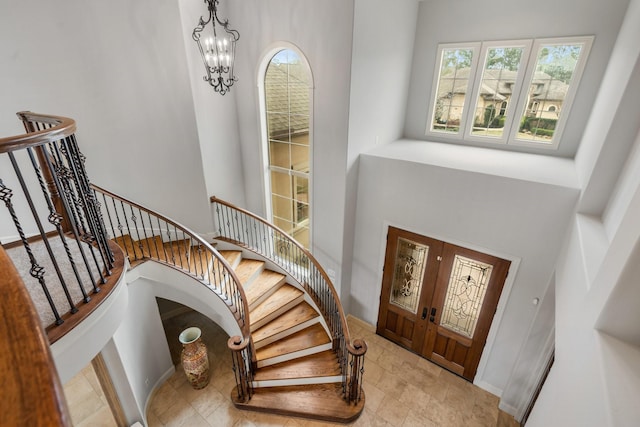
[[287, 115]]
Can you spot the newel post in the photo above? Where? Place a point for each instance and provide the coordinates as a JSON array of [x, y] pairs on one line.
[[242, 366], [356, 371]]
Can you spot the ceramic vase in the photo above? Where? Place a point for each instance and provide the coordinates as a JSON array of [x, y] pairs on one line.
[[195, 360]]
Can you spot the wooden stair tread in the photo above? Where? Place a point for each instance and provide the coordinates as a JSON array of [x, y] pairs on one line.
[[129, 247], [316, 401], [247, 269], [174, 252], [282, 296], [262, 284], [301, 313], [312, 336], [231, 256], [323, 364], [199, 259]]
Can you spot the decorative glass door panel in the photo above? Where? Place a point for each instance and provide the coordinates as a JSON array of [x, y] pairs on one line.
[[411, 259], [465, 294], [438, 299]]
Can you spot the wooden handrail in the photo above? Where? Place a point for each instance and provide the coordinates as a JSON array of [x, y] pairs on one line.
[[194, 236], [343, 320], [245, 326], [62, 127], [31, 390]]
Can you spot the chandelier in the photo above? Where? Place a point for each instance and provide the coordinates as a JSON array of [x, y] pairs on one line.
[[217, 48]]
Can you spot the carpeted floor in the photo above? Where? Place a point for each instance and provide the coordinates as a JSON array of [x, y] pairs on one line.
[[52, 280]]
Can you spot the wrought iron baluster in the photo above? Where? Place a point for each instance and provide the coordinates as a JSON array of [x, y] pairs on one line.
[[170, 241], [78, 176], [55, 219], [106, 208], [153, 235], [184, 250], [144, 232], [36, 270], [134, 221], [164, 247], [45, 240]]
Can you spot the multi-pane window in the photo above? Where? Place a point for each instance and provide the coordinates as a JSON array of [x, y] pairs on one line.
[[287, 85], [516, 92]]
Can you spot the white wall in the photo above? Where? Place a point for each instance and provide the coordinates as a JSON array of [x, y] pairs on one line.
[[322, 30], [595, 375], [381, 60], [614, 118], [442, 21], [216, 115], [119, 69], [405, 184]]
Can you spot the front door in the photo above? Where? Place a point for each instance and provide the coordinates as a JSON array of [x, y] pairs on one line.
[[410, 270], [439, 299]]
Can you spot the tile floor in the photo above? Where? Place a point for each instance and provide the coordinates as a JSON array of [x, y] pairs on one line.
[[402, 389], [86, 401]]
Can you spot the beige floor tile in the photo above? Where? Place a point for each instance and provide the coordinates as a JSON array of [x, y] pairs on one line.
[[415, 420], [373, 396], [153, 421], [207, 400], [82, 399], [162, 399], [372, 371], [176, 413], [416, 399], [506, 420], [392, 411], [391, 384], [487, 415], [225, 415], [100, 418], [188, 419]]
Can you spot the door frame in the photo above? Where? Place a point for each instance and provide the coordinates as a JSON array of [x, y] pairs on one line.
[[502, 302]]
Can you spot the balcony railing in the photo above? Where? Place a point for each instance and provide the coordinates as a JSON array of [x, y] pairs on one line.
[[57, 221]]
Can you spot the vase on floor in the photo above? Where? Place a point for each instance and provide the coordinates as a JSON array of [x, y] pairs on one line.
[[195, 360]]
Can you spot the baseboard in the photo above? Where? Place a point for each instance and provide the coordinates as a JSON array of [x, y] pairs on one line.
[[367, 326], [163, 378], [489, 387], [511, 410]]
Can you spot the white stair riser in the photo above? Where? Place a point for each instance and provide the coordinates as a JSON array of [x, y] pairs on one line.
[[283, 334], [297, 381], [267, 294], [294, 355], [260, 323]]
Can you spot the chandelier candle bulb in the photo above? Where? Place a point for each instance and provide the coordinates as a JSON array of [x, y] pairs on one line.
[[217, 51]]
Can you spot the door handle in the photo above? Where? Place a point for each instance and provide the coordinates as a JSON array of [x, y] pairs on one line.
[[424, 313], [432, 318]]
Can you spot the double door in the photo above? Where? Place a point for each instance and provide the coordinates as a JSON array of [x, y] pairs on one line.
[[438, 299]]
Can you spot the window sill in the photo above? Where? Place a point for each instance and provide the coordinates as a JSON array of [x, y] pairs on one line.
[[508, 164]]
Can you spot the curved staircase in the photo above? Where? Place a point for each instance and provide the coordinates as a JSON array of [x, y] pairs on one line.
[[296, 370], [294, 355]]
